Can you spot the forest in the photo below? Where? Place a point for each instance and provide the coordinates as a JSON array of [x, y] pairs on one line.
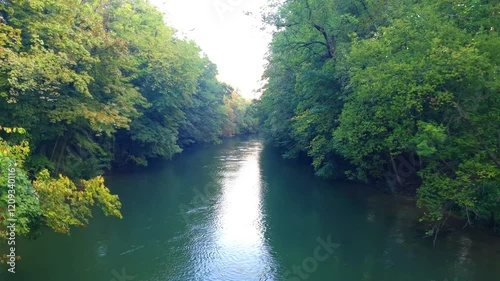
[[86, 86], [402, 93], [405, 93]]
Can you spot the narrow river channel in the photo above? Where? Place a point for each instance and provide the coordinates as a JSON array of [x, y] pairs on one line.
[[239, 212]]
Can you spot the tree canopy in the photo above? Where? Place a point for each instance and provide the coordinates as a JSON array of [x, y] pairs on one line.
[[96, 84], [401, 91]]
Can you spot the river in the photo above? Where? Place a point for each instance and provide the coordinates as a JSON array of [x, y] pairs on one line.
[[238, 211]]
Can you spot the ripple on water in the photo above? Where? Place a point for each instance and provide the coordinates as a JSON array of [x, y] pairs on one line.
[[102, 249], [132, 250]]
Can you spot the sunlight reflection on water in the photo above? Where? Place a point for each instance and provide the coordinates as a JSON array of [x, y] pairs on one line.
[[239, 250]]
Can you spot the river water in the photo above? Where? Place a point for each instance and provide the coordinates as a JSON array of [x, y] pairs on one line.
[[238, 211]]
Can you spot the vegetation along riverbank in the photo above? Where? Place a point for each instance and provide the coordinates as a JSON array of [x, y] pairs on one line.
[[406, 93], [85, 87]]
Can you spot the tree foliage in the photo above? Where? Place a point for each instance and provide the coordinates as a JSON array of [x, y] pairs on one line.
[[358, 85], [96, 84]]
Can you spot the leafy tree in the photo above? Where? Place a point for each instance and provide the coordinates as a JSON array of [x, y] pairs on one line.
[[17, 190], [359, 84], [93, 84]]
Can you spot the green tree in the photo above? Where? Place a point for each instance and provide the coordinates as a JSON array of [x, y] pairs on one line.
[[358, 85]]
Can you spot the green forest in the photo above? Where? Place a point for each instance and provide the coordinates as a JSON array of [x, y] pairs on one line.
[[401, 92], [90, 85], [404, 94]]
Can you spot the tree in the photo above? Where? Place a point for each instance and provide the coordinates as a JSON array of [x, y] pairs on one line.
[[93, 84], [361, 84]]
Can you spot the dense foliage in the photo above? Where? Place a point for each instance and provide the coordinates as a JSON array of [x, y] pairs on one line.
[[56, 202], [95, 84], [406, 91]]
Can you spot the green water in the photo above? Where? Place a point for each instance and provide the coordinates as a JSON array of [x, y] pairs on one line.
[[237, 211]]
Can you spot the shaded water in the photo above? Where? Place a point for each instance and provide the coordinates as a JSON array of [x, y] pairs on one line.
[[237, 211]]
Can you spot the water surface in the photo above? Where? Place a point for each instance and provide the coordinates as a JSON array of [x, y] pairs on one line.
[[237, 211]]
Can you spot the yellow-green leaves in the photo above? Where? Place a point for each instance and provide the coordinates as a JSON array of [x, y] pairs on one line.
[[428, 138], [59, 202], [64, 204]]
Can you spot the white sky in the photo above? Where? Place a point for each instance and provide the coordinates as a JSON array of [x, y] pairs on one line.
[[231, 39]]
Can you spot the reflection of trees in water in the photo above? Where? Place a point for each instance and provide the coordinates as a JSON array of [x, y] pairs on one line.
[[389, 247], [463, 263]]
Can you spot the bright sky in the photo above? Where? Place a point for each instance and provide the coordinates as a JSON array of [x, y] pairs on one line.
[[231, 39]]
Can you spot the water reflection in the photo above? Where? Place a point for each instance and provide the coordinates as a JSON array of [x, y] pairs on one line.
[[238, 248]]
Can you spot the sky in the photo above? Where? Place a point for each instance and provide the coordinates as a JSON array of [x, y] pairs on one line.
[[230, 39]]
